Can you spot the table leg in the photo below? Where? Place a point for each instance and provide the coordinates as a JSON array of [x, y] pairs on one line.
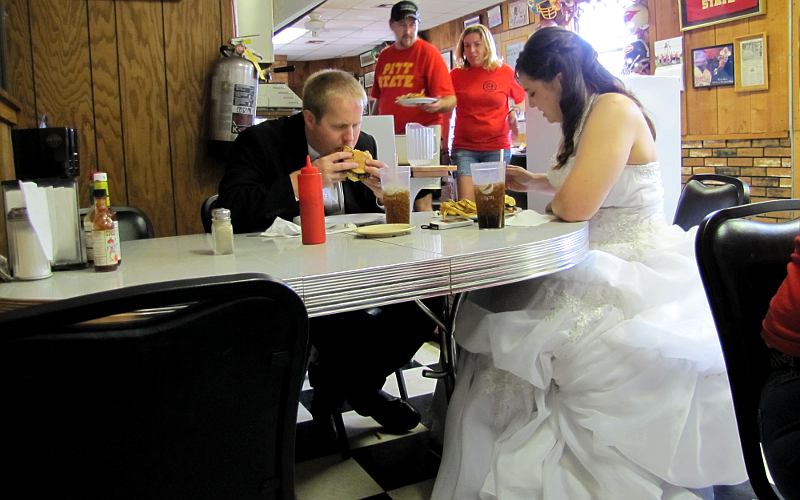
[[447, 345]]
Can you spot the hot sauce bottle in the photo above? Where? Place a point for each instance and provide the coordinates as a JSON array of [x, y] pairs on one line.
[[104, 239]]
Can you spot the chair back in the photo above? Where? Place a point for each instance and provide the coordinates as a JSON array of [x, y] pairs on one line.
[[742, 263], [705, 193], [205, 211], [194, 396], [133, 223]]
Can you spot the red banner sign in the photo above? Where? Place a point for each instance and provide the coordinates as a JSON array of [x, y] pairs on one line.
[[696, 12]]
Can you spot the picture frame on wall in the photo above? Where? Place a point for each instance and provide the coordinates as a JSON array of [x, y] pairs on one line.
[[512, 50], [366, 58], [472, 21], [713, 66], [447, 55], [369, 79], [518, 14], [495, 16], [752, 68], [699, 13]]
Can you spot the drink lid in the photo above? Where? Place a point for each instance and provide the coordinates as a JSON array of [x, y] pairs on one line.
[[100, 176]]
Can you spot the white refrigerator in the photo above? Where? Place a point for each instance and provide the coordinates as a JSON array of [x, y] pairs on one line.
[[660, 96]]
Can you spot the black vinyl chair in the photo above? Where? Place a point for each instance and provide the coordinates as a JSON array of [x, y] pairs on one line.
[[205, 211], [196, 398], [705, 193], [742, 263], [133, 223]]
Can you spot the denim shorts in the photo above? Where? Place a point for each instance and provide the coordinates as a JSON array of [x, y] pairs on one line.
[[464, 158]]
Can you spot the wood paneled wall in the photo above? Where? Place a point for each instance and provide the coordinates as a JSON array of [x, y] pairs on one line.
[[9, 110], [133, 76], [721, 112]]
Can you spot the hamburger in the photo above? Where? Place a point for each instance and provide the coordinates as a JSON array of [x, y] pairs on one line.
[[359, 173]]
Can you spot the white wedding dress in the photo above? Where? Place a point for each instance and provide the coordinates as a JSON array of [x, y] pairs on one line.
[[602, 381]]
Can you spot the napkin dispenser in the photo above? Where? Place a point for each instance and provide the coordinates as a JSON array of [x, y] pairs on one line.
[[57, 202], [41, 153]]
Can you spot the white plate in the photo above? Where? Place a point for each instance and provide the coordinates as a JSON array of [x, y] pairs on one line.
[[508, 215], [357, 219], [384, 230], [416, 101]]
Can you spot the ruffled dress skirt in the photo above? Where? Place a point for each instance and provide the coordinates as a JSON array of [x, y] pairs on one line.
[[604, 381]]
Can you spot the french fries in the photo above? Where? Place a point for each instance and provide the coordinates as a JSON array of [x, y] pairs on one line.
[[461, 208], [411, 95]]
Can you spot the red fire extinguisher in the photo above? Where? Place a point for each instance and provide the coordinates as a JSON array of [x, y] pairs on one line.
[[234, 91]]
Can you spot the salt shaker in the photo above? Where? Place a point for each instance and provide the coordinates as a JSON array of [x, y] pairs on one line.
[[28, 261], [222, 231]]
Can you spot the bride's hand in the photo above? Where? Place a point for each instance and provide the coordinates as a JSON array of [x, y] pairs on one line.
[[519, 179]]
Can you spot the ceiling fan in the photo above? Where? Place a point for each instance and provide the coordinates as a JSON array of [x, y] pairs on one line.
[[316, 25]]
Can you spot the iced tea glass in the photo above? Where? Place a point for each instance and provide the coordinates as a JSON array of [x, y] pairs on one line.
[[489, 186], [396, 185]]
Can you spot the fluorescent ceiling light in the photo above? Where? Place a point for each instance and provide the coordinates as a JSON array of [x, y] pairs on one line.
[[288, 35]]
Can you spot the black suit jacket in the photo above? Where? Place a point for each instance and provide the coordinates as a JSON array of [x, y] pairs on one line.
[[256, 186]]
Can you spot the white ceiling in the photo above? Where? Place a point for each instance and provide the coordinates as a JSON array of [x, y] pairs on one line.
[[356, 26]]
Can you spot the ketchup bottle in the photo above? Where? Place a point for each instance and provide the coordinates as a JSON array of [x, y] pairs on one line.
[[312, 210]]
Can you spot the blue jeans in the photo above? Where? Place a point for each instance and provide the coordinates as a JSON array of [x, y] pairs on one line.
[[465, 157], [780, 427]]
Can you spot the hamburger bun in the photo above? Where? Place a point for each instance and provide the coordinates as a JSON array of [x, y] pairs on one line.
[[360, 157]]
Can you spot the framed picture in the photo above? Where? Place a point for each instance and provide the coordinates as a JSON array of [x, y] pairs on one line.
[[518, 14], [472, 21], [512, 50], [367, 58], [369, 79], [698, 13], [751, 62], [447, 55], [713, 66], [495, 16]]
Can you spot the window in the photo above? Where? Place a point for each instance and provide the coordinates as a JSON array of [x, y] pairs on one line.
[[602, 24]]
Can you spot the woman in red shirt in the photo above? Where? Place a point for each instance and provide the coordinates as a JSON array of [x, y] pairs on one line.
[[779, 410], [485, 87]]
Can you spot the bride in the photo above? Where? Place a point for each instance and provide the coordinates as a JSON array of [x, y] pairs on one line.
[[605, 380]]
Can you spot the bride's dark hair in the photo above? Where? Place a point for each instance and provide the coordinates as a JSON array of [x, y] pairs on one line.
[[552, 50]]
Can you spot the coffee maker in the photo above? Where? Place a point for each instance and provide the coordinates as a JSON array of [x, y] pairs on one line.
[[43, 153]]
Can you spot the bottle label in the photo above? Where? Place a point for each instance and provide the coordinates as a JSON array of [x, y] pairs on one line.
[[87, 233], [104, 244], [117, 249]]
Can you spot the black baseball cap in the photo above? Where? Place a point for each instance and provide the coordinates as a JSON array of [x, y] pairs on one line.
[[404, 9]]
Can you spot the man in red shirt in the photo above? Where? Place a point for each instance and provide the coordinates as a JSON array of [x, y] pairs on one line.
[[412, 65], [780, 398]]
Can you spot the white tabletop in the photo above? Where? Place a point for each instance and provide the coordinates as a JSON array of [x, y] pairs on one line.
[[348, 272]]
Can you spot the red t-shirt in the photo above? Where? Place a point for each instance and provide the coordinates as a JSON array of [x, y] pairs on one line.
[[482, 109], [781, 326], [398, 72]]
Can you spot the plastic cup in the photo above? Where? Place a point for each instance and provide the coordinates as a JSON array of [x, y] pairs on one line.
[[396, 185], [489, 186]]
